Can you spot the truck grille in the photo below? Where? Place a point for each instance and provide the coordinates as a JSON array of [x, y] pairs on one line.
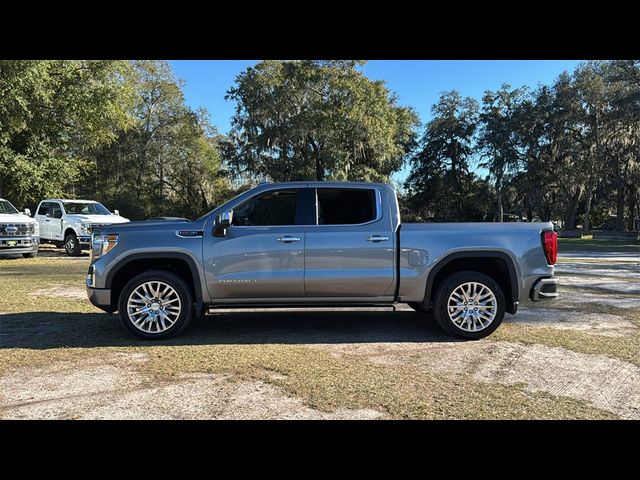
[[16, 229]]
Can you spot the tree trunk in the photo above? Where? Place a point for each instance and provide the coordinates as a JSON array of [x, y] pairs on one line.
[[499, 198], [620, 211], [620, 184], [572, 210], [586, 227], [319, 169]]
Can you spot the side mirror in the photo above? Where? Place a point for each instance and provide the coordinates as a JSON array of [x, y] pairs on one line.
[[27, 212], [116, 212], [222, 222]]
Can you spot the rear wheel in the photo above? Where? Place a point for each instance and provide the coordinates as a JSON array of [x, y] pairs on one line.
[[72, 245], [155, 305], [469, 305]]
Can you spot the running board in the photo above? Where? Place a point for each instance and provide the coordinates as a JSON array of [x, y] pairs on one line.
[[305, 308]]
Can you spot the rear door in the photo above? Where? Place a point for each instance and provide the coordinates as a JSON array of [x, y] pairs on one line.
[[349, 250]]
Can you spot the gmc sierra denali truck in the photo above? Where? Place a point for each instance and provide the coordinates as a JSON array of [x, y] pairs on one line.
[[19, 233], [318, 244], [69, 223]]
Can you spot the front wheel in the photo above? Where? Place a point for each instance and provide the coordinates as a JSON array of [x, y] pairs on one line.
[[155, 305], [30, 254], [72, 245], [469, 305]]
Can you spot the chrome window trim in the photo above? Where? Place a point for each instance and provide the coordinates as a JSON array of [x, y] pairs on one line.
[[378, 206]]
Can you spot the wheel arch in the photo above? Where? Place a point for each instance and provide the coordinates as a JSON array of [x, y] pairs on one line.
[[136, 263], [497, 264]]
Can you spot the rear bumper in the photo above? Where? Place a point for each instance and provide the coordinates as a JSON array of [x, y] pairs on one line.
[[101, 298], [544, 289]]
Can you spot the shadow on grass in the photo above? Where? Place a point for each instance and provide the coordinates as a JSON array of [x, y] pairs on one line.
[[44, 330]]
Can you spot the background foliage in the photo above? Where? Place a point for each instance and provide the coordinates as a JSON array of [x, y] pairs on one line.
[[120, 132]]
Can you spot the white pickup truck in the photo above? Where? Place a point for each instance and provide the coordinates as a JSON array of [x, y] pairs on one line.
[[69, 223], [18, 231]]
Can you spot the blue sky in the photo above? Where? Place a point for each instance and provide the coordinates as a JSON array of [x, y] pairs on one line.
[[418, 83]]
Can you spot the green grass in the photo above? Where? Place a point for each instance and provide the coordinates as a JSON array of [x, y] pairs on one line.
[[584, 245]]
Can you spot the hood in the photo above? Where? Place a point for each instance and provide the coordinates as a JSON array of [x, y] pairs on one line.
[[155, 225], [97, 219], [15, 218]]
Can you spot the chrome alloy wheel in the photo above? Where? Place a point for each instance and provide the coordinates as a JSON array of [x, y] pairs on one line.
[[472, 306], [153, 307]]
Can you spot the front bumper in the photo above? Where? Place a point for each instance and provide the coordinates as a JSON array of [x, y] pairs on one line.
[[101, 298], [18, 245], [84, 241], [545, 289]]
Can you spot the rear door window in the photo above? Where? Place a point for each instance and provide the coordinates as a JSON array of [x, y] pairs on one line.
[[345, 206]]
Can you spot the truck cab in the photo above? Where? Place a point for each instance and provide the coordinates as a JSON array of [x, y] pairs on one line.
[[69, 223]]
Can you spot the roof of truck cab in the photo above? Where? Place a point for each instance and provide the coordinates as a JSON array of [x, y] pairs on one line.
[[323, 184], [68, 200]]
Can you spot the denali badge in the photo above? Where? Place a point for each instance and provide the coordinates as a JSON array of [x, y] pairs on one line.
[[238, 281]]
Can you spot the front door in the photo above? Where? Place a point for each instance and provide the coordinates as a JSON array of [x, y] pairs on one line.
[[349, 252], [55, 222], [262, 253], [43, 220]]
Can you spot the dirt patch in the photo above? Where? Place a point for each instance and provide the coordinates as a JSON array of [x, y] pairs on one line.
[[632, 286], [575, 298], [62, 291], [92, 390], [596, 323], [631, 272], [604, 382]]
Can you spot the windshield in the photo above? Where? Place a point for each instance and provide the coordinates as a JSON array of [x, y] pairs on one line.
[[85, 208], [6, 207]]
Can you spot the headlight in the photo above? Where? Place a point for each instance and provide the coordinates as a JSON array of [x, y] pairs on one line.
[[35, 229], [102, 244], [85, 229]]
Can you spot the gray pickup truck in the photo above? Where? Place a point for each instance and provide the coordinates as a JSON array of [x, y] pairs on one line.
[[318, 244]]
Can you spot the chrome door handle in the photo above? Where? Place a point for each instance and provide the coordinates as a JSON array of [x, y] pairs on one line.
[[288, 239], [377, 238]]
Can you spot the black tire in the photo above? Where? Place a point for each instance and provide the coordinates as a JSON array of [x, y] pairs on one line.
[[446, 288], [171, 279], [30, 254], [72, 245], [417, 307]]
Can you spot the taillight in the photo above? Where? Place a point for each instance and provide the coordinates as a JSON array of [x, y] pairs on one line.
[[550, 246]]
